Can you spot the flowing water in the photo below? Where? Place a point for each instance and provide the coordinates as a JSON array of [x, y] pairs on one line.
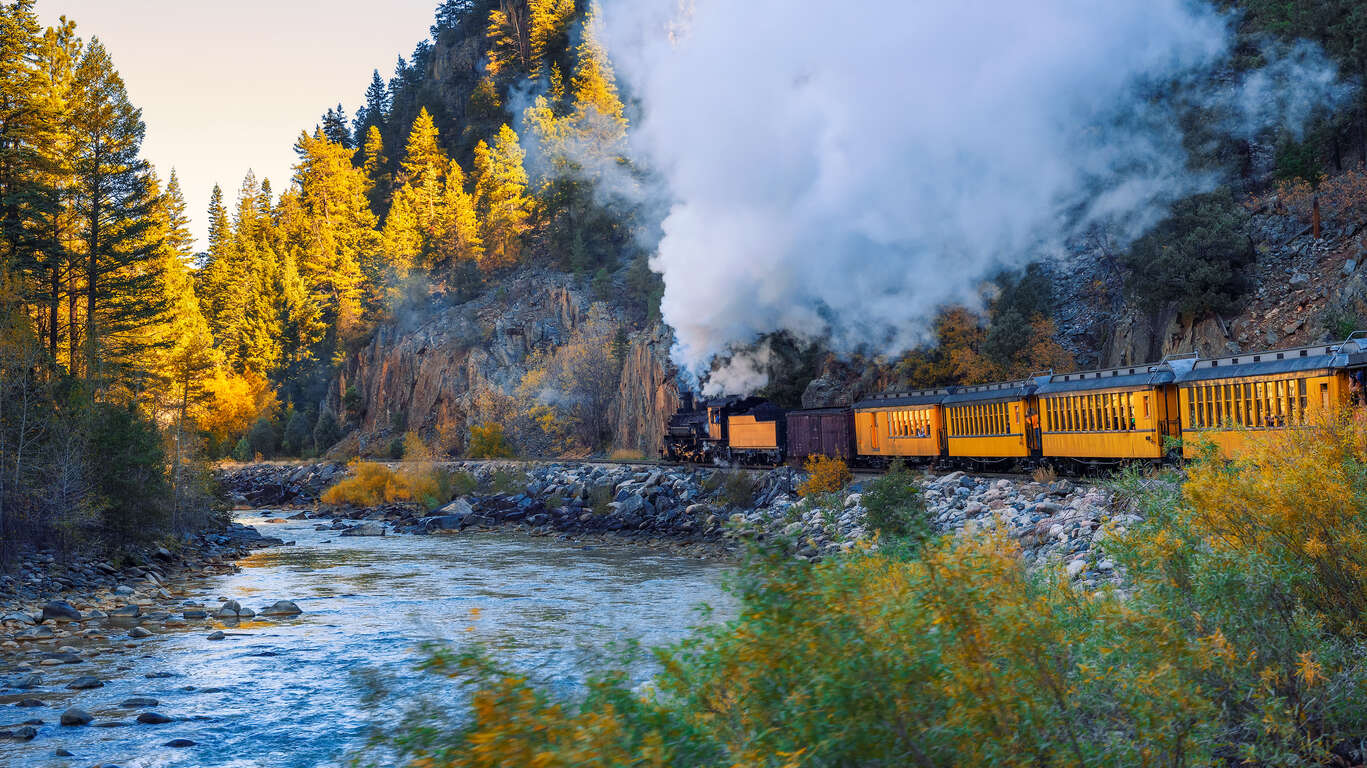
[[286, 692]]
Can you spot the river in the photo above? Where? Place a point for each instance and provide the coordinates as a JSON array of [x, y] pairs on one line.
[[285, 693]]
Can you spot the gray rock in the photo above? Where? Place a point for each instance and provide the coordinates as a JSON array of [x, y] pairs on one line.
[[153, 718], [76, 716], [138, 633], [1075, 567], [26, 682], [281, 608], [126, 611], [218, 635], [25, 733], [138, 702], [180, 743], [85, 683], [195, 613], [60, 610], [29, 703], [19, 617], [365, 529]]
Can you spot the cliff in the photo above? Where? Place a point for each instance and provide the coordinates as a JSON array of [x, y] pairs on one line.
[[449, 366]]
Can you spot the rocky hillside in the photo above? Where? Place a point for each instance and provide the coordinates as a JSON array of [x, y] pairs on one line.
[[454, 365]]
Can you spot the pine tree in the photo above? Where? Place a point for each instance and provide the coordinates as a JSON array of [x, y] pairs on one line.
[[598, 113], [458, 234], [375, 112], [333, 230], [49, 206], [422, 174], [253, 342], [19, 83], [335, 127], [114, 197], [216, 276], [373, 164], [549, 32], [404, 242], [500, 199]]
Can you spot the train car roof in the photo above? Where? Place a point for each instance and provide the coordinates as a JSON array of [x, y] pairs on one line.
[[819, 411], [988, 393], [917, 397], [1128, 377], [1319, 357]]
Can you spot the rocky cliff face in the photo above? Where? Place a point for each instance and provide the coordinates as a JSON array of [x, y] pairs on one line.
[[452, 365]]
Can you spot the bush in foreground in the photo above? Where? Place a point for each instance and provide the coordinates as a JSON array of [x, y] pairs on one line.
[[824, 475], [1229, 647]]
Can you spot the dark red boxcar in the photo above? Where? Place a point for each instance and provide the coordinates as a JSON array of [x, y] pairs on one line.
[[823, 431]]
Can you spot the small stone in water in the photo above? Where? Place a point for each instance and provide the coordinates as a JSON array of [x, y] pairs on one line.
[[139, 632], [153, 718], [218, 635], [85, 683], [179, 743], [137, 702], [63, 753], [76, 716]]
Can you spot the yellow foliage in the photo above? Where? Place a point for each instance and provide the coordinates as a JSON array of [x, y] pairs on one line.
[[370, 484], [1294, 497], [487, 441], [235, 401], [824, 475]]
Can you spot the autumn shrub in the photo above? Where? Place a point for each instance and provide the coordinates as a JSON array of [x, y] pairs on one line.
[[824, 475], [370, 484], [1224, 648], [894, 506], [487, 441]]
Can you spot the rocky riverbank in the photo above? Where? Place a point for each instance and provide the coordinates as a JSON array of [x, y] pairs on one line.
[[64, 621], [1057, 522]]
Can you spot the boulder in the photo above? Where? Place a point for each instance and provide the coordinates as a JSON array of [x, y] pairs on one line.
[[76, 716], [60, 610], [281, 608], [153, 718], [217, 635], [138, 702], [137, 633], [365, 529], [85, 683], [179, 743], [26, 682], [125, 612]]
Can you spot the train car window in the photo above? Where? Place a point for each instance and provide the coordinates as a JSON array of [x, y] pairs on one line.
[[1281, 403], [1324, 395], [1146, 409], [1304, 399]]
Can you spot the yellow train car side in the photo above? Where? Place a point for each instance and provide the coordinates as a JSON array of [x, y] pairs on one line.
[[748, 433], [899, 431], [1230, 413]]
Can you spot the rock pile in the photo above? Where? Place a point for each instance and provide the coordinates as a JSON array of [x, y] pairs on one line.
[[266, 484], [1056, 523]]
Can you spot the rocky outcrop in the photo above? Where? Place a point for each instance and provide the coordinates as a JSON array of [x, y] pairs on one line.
[[647, 396], [456, 364], [269, 484]]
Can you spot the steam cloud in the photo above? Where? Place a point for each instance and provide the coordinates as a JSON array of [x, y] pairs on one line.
[[844, 169]]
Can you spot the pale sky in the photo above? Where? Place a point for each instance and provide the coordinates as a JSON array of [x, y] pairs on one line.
[[226, 86]]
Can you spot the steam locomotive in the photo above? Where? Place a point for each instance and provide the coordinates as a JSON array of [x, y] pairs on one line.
[[1109, 416]]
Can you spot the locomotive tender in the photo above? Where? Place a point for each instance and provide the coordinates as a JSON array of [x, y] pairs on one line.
[[1131, 413]]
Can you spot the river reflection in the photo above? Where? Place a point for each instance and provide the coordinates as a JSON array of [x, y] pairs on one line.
[[283, 693]]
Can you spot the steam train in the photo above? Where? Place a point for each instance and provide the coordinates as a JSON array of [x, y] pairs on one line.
[[1110, 416]]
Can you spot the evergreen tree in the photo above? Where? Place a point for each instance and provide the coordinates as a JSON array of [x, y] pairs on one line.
[[458, 234], [373, 164], [216, 276], [114, 196], [500, 199], [549, 31], [335, 127], [19, 83], [374, 113], [598, 114], [404, 242], [422, 174], [254, 341], [49, 212], [333, 230]]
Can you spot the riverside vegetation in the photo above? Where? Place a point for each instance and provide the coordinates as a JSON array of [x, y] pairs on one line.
[[1235, 637]]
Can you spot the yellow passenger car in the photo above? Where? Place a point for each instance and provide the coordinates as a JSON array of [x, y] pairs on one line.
[[901, 425], [1118, 413], [991, 421], [1230, 400]]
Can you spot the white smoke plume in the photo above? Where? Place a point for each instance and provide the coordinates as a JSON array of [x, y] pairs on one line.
[[842, 169]]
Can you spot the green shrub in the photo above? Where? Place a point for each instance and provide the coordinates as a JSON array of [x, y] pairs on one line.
[[262, 438], [487, 441], [508, 481], [462, 483], [737, 488], [297, 439], [895, 507]]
